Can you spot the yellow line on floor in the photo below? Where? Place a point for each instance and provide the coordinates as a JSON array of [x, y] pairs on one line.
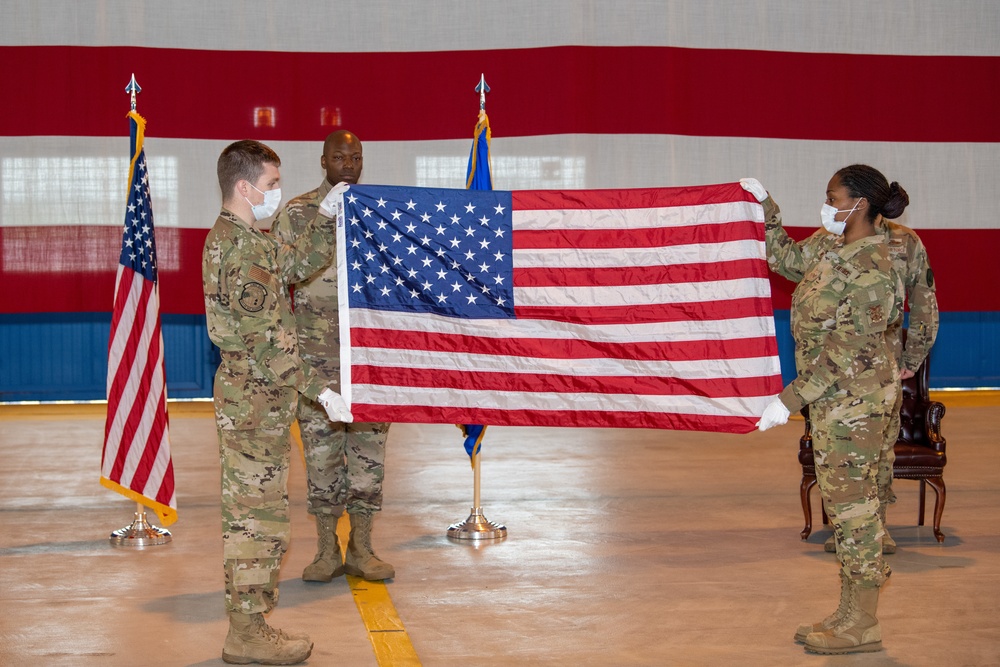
[[974, 398], [389, 638], [95, 410]]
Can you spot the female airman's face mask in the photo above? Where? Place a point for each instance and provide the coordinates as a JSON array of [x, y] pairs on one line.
[[828, 213]]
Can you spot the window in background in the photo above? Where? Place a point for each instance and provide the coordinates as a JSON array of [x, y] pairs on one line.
[[85, 197], [509, 172]]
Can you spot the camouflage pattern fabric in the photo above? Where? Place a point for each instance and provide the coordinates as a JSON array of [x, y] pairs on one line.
[[909, 260], [792, 259], [344, 462], [315, 299], [848, 433], [846, 300], [255, 524], [245, 275]]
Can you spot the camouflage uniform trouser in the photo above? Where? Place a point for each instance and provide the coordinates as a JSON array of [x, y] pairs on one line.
[[255, 523], [848, 439], [886, 495], [345, 463]]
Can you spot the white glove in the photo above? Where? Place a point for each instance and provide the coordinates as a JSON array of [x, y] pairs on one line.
[[336, 408], [331, 202], [753, 186], [775, 414]]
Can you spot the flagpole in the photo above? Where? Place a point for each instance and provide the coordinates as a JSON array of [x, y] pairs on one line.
[[139, 533], [476, 526]]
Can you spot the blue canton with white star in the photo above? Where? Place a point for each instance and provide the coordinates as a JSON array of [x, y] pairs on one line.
[[427, 250], [138, 245]]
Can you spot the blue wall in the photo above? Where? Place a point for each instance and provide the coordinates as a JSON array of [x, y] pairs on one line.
[[966, 353], [64, 356]]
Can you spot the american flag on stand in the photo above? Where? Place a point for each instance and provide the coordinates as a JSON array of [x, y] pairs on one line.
[[136, 457], [618, 308]]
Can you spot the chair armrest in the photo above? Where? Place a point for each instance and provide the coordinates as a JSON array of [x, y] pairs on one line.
[[935, 412]]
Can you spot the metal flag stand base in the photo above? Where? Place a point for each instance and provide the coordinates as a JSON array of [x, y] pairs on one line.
[[140, 533], [476, 527]]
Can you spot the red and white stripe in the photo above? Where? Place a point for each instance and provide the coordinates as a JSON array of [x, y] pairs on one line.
[[639, 94]]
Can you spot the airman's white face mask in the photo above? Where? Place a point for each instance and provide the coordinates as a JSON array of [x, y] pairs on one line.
[[827, 215], [267, 208]]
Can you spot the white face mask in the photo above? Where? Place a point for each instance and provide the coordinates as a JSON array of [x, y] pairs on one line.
[[828, 213], [267, 208]]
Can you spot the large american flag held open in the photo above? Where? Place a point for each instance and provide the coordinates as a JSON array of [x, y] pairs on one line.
[[620, 308], [136, 457]]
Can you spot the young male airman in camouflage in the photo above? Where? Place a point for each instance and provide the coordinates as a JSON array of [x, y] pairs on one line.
[[909, 260], [344, 462], [845, 303], [245, 276]]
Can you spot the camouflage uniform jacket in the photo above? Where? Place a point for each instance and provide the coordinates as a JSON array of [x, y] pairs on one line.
[[909, 259], [844, 303], [315, 298], [245, 273]]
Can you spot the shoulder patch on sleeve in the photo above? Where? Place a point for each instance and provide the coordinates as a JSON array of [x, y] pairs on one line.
[[253, 297]]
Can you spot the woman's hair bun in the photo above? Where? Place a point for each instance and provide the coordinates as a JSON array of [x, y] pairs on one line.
[[896, 203]]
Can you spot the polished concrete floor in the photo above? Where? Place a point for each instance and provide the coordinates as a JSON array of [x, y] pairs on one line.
[[625, 547]]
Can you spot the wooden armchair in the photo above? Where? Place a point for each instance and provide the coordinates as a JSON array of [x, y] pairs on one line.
[[920, 450]]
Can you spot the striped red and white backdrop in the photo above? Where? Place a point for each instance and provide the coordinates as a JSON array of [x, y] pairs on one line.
[[583, 95]]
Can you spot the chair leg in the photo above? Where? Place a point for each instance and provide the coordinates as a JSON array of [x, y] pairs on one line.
[[923, 494], [937, 483], [808, 482]]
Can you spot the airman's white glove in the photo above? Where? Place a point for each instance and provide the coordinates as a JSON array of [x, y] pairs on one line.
[[753, 186], [775, 414], [331, 202], [336, 408]]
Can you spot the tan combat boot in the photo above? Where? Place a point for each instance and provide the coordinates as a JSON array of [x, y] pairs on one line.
[[252, 641], [857, 632], [361, 560], [328, 562], [833, 619]]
